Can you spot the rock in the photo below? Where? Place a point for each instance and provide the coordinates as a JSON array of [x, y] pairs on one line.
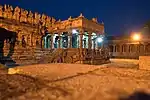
[[14, 71]]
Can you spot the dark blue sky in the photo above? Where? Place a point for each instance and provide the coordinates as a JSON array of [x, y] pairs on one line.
[[119, 16]]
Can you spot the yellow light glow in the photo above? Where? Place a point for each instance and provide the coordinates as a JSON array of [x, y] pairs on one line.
[[136, 37]]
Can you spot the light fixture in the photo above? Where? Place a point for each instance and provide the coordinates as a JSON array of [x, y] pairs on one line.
[[136, 37], [99, 39], [74, 31]]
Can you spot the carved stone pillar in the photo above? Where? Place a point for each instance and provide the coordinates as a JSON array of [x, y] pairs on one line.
[[89, 40], [114, 48], [121, 49], [127, 48], [52, 44], [59, 40], [81, 39], [69, 39], [41, 42], [81, 45]]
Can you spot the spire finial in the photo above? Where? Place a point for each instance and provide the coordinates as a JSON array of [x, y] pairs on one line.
[[81, 15], [70, 18], [94, 20]]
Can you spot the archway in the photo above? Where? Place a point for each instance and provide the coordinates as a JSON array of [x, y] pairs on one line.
[[10, 37]]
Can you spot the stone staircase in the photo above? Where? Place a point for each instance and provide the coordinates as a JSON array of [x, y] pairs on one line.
[[25, 56]]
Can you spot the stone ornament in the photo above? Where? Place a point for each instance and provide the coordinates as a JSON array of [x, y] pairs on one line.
[[30, 17], [16, 14], [48, 21], [9, 12], [94, 20], [1, 11], [81, 15], [53, 20], [5, 12], [37, 18], [70, 18], [23, 17], [43, 19]]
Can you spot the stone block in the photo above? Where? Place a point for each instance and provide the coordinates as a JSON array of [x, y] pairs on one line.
[[144, 62]]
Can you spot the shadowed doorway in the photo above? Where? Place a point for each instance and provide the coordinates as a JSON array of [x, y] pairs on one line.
[[7, 37]]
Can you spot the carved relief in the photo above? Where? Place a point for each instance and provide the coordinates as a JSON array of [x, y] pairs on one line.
[[16, 14], [23, 17], [30, 17], [1, 11]]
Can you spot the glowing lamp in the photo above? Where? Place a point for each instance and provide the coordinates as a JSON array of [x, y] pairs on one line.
[[136, 37], [99, 39]]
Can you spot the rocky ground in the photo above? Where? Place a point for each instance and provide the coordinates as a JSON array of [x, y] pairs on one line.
[[75, 82]]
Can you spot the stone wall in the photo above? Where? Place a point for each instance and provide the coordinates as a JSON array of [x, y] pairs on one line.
[[144, 62]]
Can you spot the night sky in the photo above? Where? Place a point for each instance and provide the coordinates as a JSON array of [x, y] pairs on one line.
[[119, 16]]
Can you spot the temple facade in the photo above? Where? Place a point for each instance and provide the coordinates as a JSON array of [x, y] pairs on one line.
[[75, 40]]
